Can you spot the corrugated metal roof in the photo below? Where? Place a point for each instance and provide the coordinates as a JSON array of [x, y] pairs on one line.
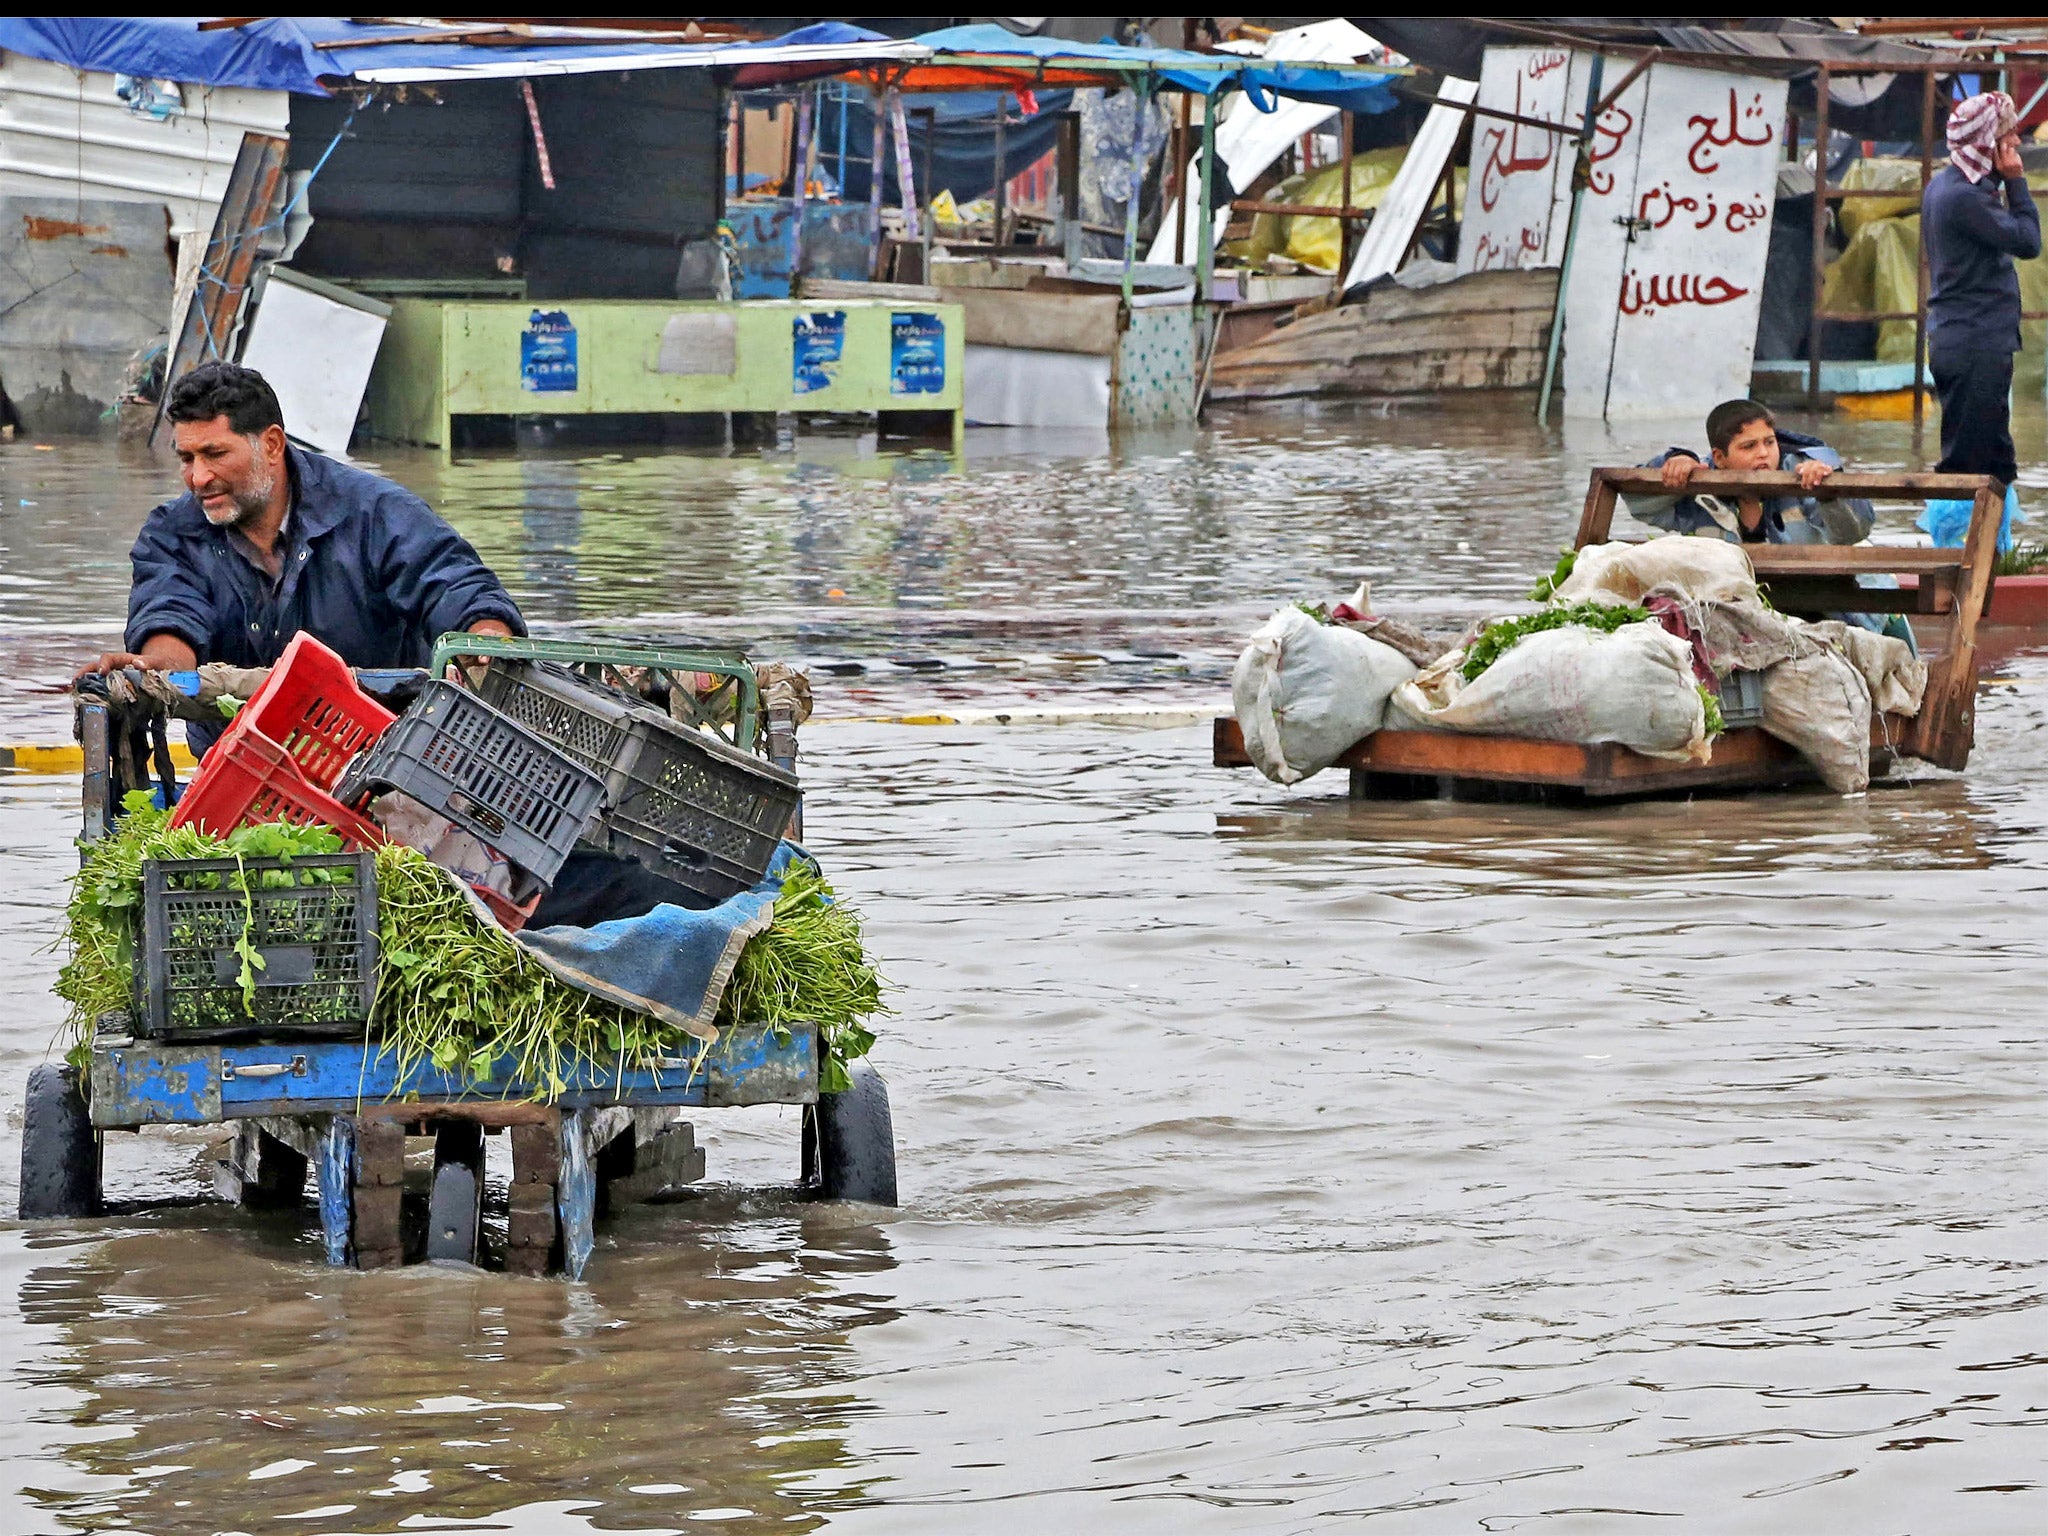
[[65, 133]]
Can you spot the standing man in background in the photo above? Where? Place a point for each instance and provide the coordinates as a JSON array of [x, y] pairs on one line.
[[1975, 223]]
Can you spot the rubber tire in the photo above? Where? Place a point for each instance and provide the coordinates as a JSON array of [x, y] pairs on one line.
[[856, 1140], [60, 1151], [452, 1212]]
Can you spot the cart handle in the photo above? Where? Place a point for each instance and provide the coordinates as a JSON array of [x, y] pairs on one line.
[[746, 725]]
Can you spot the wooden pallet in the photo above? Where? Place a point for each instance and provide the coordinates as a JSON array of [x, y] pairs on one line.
[[1799, 578]]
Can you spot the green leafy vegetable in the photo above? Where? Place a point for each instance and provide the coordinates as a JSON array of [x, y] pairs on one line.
[[454, 990], [1546, 588], [1500, 636], [1320, 612], [1710, 701]]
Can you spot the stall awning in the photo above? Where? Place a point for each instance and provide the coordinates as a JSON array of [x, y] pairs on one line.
[[985, 58], [312, 54]]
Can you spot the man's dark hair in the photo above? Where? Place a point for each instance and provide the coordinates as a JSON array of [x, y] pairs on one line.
[[242, 395], [1728, 418]]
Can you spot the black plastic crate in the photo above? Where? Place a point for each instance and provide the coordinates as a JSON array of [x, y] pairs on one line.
[[312, 920], [691, 810], [491, 776]]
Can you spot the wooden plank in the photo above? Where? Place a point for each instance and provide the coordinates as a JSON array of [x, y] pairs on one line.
[[1744, 756], [1302, 210], [1850, 559], [1840, 594], [1635, 480]]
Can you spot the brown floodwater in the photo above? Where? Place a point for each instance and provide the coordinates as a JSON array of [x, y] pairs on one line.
[[1271, 1162]]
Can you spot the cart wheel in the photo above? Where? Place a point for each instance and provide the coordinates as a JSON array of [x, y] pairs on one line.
[[456, 1204], [855, 1143], [60, 1151]]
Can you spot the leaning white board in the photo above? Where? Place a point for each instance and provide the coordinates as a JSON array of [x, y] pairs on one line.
[[1392, 228], [1667, 281], [315, 343], [1248, 140]]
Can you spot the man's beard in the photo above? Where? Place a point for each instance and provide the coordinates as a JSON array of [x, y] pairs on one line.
[[249, 503]]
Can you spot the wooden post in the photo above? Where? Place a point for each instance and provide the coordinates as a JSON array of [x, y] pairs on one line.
[[1179, 196], [1920, 258], [739, 146], [1596, 521], [876, 111], [1947, 724], [1002, 166], [800, 177], [1814, 323], [931, 131], [1344, 224], [1067, 172]]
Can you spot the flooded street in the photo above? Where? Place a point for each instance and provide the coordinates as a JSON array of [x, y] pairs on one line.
[[1271, 1163]]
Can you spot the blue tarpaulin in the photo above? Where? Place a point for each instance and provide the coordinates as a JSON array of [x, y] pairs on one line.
[[285, 53]]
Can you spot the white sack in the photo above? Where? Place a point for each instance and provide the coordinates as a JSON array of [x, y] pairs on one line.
[[1820, 704], [1897, 678], [1634, 686], [1305, 692], [1703, 570]]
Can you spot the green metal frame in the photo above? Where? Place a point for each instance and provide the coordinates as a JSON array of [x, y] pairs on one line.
[[731, 665]]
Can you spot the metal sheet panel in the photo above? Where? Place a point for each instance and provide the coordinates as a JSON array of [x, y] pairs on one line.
[[65, 132]]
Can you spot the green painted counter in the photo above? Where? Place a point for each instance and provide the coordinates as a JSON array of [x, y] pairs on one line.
[[445, 358]]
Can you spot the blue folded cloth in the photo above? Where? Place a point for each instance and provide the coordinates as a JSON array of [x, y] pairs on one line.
[[672, 962]]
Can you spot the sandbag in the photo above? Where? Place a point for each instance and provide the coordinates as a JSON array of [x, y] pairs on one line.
[[1701, 570], [1304, 692], [1819, 703], [1634, 686]]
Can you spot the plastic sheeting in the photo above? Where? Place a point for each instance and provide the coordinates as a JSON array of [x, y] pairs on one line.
[[286, 53]]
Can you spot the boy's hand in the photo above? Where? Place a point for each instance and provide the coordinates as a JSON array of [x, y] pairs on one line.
[[1811, 472], [1678, 471]]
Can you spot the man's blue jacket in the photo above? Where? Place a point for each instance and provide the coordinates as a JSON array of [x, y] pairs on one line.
[[368, 570]]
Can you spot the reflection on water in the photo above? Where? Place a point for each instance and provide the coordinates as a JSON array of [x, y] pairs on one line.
[[1271, 1160], [704, 1370]]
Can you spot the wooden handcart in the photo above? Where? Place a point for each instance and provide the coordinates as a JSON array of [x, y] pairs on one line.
[[1953, 585]]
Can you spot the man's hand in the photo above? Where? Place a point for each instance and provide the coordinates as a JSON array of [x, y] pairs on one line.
[[1678, 471], [496, 627], [1811, 472], [2008, 161], [160, 653]]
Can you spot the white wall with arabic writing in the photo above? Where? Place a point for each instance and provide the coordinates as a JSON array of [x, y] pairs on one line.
[[1667, 281], [1517, 195]]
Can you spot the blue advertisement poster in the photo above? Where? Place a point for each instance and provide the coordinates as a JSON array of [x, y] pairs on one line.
[[547, 353], [816, 342], [917, 354]]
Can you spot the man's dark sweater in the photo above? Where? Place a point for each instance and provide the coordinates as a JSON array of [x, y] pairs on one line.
[[1972, 237]]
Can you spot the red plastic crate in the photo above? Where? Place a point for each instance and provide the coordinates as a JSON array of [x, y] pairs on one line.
[[311, 707], [509, 917], [248, 778]]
